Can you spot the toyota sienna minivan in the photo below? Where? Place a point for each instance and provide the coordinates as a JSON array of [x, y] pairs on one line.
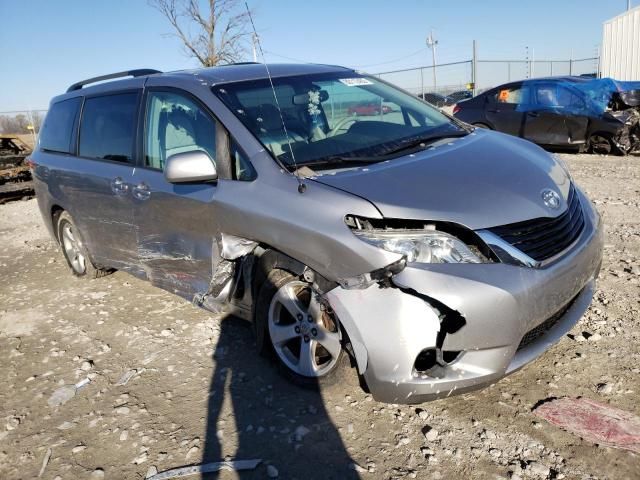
[[434, 257]]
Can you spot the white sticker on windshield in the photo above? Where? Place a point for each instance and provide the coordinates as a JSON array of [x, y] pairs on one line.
[[354, 82]]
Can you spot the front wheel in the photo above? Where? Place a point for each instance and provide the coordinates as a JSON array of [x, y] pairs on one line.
[[603, 144], [304, 334]]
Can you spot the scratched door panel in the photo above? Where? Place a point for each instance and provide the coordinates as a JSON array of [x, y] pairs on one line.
[[176, 238]]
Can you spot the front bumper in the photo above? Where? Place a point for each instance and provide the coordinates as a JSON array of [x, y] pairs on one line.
[[389, 327]]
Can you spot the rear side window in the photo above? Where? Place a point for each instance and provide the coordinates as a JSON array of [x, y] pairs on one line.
[[107, 128], [548, 95], [57, 131]]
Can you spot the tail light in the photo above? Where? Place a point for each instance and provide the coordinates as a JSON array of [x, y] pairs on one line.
[[456, 108]]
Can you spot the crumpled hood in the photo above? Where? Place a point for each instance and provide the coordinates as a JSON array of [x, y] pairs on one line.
[[482, 180]]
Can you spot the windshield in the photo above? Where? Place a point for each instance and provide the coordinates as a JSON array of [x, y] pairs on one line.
[[334, 118]]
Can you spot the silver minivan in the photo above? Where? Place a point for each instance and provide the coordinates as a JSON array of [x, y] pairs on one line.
[[350, 221]]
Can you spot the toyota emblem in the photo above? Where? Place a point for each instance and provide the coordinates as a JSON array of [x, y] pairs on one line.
[[550, 198]]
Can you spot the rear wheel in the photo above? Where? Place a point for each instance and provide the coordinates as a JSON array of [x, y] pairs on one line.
[[74, 250], [300, 330]]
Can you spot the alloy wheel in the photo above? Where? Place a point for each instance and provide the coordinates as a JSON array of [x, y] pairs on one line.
[[305, 336], [72, 249]]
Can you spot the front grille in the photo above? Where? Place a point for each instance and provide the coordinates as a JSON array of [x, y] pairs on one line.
[[538, 331], [542, 238]]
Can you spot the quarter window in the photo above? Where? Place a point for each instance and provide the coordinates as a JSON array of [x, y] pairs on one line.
[[176, 124], [57, 130], [107, 127]]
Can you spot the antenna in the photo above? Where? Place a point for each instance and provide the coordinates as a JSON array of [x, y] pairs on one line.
[[301, 186]]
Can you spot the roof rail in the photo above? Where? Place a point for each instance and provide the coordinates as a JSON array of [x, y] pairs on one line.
[[128, 73]]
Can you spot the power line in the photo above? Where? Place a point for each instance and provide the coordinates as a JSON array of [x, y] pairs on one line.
[[422, 50]]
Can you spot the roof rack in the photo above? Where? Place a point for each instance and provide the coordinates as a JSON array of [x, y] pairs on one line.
[[141, 72]]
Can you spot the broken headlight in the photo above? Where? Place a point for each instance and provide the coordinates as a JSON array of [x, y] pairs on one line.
[[421, 246]]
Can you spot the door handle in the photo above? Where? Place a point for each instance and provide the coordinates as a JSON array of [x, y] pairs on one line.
[[533, 114], [493, 111], [142, 191], [119, 186]]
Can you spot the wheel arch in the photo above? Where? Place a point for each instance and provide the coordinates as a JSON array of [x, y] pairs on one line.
[[56, 211], [268, 259]]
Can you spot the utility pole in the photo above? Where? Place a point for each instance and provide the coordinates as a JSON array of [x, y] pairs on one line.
[[474, 71], [431, 43], [571, 62], [533, 61]]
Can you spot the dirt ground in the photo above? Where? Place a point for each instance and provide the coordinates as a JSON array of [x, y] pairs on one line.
[[199, 391]]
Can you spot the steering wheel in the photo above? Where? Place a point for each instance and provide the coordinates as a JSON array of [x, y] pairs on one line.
[[340, 125]]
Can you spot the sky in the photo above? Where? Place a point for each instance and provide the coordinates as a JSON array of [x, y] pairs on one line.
[[48, 45]]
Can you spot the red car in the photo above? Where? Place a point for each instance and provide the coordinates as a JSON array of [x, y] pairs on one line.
[[369, 109]]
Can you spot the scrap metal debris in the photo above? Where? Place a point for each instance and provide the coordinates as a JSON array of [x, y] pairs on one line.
[[595, 422], [45, 462], [65, 393], [15, 175], [231, 465], [128, 375]]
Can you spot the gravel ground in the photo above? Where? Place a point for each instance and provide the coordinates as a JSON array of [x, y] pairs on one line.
[[198, 392]]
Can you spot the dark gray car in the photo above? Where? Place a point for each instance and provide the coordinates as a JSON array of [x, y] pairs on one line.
[[437, 257]]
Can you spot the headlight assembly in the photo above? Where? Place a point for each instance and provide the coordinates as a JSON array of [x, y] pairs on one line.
[[421, 246]]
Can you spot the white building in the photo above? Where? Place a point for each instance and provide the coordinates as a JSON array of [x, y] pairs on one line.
[[620, 58]]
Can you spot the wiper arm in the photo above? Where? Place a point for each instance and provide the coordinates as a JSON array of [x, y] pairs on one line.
[[423, 141]]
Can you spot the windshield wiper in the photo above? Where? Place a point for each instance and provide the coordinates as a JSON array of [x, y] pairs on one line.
[[412, 143], [340, 160]]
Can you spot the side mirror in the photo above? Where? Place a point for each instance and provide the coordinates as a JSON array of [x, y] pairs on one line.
[[189, 167]]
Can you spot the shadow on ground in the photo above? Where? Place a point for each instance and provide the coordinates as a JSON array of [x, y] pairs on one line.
[[284, 425]]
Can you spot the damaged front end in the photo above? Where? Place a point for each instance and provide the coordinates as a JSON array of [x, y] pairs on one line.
[[445, 321], [627, 139], [619, 101]]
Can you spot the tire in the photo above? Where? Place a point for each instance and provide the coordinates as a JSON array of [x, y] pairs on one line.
[[74, 250], [287, 338], [601, 143]]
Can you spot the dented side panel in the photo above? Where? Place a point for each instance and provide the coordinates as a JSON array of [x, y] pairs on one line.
[[176, 234], [85, 188]]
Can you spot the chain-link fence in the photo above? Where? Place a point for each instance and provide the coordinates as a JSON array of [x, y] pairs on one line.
[[443, 79], [448, 78]]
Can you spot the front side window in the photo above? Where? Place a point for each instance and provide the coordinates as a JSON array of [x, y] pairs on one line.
[[518, 95], [176, 124], [107, 127], [323, 119], [57, 130]]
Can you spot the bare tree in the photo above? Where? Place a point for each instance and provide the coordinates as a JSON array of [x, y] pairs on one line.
[[214, 36]]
